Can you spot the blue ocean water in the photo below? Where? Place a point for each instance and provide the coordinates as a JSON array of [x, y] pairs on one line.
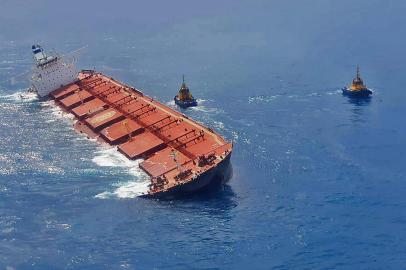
[[319, 179]]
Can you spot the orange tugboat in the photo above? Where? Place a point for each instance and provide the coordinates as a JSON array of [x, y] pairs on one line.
[[184, 98], [357, 88], [180, 155]]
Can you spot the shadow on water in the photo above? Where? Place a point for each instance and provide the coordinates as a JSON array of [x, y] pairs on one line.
[[215, 201], [358, 108]]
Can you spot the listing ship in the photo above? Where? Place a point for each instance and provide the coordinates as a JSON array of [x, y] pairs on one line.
[[357, 88], [179, 155]]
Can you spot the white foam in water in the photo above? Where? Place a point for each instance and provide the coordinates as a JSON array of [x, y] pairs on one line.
[[338, 91], [171, 103], [200, 101], [106, 157], [126, 190], [260, 99], [20, 96], [109, 157], [57, 112], [204, 109], [219, 125], [200, 107]]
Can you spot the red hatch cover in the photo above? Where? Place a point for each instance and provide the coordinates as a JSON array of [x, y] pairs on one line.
[[143, 144], [163, 161], [119, 132]]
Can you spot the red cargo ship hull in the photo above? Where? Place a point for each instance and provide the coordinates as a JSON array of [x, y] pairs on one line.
[[180, 155]]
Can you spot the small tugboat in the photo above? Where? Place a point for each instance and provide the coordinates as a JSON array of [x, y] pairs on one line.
[[357, 88], [184, 98]]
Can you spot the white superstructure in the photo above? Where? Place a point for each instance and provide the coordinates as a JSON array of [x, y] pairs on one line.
[[51, 72]]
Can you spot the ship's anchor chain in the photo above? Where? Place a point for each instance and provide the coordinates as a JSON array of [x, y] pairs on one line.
[[183, 174], [203, 160], [158, 182]]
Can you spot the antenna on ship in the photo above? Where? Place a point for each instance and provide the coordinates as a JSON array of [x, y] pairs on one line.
[[79, 95], [358, 73], [173, 154], [125, 124]]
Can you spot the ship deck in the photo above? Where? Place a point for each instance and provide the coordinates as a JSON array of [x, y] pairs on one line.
[[174, 148]]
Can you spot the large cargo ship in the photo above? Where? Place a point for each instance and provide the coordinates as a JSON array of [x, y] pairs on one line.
[[180, 155]]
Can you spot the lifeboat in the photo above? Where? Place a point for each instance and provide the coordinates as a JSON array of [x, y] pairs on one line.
[[357, 88]]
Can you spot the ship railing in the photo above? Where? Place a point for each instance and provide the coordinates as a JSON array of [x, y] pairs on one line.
[[87, 83], [122, 101], [91, 79], [129, 89], [163, 177], [176, 139], [178, 144], [88, 71], [103, 93], [139, 109], [156, 122], [195, 140], [138, 116], [97, 85], [114, 89], [170, 122], [126, 102], [215, 150], [132, 89], [92, 85]]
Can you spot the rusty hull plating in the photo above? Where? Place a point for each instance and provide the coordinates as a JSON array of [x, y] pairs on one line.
[[179, 154]]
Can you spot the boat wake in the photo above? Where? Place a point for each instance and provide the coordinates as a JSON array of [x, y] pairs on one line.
[[200, 101], [199, 108], [336, 92], [126, 190], [109, 157], [262, 98], [204, 109], [171, 103]]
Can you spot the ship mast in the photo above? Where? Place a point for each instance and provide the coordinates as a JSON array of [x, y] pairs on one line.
[[183, 82]]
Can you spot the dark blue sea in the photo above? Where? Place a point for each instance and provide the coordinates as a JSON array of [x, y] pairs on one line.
[[319, 179]]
